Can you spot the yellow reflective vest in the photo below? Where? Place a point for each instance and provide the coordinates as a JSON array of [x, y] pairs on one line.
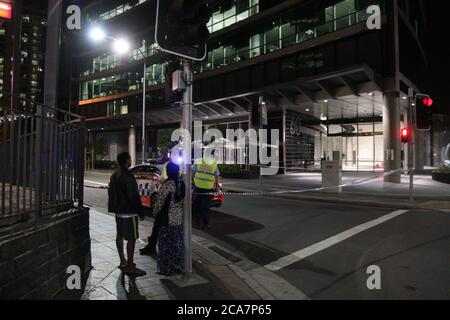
[[165, 176], [204, 177]]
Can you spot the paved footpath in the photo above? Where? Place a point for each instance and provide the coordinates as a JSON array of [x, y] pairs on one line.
[[106, 281], [219, 274]]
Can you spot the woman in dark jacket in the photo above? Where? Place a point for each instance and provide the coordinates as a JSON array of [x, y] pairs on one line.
[[169, 211]]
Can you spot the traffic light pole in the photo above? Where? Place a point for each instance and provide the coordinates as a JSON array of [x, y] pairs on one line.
[[144, 85], [187, 151], [411, 147]]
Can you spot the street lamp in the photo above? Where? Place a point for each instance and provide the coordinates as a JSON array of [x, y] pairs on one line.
[[97, 34], [121, 47]]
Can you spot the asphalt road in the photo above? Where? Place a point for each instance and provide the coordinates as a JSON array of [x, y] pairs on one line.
[[328, 248]]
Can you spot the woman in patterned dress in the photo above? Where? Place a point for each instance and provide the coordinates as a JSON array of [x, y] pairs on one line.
[[169, 209]]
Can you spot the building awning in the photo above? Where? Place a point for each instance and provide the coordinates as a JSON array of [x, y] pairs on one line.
[[350, 82]]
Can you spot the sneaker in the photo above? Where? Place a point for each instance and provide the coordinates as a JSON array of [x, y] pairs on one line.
[[133, 271], [148, 251]]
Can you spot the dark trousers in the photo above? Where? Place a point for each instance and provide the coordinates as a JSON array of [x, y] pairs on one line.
[[202, 205], [153, 239]]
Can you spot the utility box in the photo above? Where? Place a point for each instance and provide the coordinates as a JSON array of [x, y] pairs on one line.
[[332, 175], [178, 82]]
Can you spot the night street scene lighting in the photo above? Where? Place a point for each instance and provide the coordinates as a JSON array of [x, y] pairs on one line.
[[215, 152]]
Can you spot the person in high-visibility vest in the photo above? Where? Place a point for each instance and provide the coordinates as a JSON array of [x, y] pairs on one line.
[[206, 176]]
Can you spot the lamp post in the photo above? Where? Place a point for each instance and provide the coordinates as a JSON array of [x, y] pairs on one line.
[[144, 85], [121, 46]]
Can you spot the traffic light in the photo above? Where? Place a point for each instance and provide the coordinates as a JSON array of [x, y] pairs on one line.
[[424, 111], [181, 27], [406, 135]]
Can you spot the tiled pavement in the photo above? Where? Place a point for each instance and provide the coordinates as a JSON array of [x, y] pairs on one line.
[[215, 277], [106, 281]]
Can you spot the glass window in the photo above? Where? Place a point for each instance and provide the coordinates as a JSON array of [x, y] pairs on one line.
[[288, 34], [232, 11], [255, 45], [218, 57], [272, 39], [344, 14], [230, 16], [230, 55], [124, 109]]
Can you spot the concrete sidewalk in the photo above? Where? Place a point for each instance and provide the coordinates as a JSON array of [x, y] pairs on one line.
[[219, 274], [366, 189]]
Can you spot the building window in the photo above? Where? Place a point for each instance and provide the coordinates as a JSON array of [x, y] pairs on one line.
[[231, 12]]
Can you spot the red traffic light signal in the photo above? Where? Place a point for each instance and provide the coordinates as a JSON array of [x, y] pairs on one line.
[[405, 135], [5, 10], [427, 102]]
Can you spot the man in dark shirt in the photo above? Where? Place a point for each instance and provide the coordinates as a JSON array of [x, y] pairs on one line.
[[124, 201]]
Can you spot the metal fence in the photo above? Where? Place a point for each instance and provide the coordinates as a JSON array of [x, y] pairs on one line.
[[41, 161]]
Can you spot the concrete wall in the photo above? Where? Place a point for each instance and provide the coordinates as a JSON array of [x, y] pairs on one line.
[[440, 138], [33, 263]]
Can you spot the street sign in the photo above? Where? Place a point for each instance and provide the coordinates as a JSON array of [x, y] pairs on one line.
[[5, 10], [181, 28]]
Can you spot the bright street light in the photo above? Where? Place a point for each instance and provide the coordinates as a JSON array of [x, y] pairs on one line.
[[97, 34], [121, 46]]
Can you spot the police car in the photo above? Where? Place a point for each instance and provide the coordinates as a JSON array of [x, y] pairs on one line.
[[149, 179]]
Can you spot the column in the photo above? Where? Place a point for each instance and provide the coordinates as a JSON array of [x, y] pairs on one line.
[[392, 141], [284, 142], [420, 151], [132, 145], [93, 139]]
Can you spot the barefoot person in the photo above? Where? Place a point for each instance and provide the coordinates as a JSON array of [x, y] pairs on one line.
[[124, 201]]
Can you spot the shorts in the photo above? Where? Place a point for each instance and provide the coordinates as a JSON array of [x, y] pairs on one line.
[[127, 228]]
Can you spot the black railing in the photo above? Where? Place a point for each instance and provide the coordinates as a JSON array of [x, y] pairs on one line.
[[42, 160]]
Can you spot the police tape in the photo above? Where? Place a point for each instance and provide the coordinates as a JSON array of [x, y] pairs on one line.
[[101, 188], [297, 191]]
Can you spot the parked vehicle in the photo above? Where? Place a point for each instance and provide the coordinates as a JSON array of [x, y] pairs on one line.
[[149, 179]]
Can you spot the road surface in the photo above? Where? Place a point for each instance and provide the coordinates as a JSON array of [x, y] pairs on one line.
[[325, 250]]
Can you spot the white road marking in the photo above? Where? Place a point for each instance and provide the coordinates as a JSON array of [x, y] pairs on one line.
[[98, 183], [316, 248]]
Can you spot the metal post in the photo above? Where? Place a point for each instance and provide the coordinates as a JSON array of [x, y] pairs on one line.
[[143, 113], [411, 146], [81, 151], [38, 159], [187, 125], [284, 119]]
